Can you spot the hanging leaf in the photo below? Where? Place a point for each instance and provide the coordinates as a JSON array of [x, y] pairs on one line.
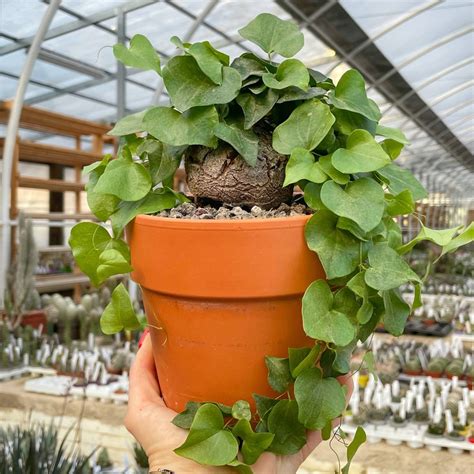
[[264, 405], [279, 375], [400, 204], [441, 237], [119, 314], [290, 434], [337, 250], [399, 179], [307, 125], [358, 440], [208, 442], [347, 122], [320, 400], [112, 262], [350, 95], [392, 133], [303, 358], [361, 201], [396, 312], [140, 55], [185, 418], [130, 124], [189, 87], [302, 165], [254, 444], [274, 35], [387, 269], [361, 155], [464, 238]]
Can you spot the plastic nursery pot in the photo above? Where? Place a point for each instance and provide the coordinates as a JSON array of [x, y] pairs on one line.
[[35, 318], [412, 372], [433, 374], [220, 295]]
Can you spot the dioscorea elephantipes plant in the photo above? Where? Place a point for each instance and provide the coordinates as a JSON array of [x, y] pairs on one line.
[[265, 127]]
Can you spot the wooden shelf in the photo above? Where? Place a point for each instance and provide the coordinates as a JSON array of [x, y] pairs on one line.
[[42, 120], [57, 185], [60, 216], [67, 281], [53, 155]]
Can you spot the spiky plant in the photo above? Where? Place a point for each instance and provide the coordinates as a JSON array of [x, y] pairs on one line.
[[20, 290]]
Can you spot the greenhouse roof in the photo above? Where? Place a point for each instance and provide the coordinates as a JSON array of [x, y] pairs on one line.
[[416, 56]]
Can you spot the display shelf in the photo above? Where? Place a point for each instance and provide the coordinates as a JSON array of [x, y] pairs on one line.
[[59, 282]]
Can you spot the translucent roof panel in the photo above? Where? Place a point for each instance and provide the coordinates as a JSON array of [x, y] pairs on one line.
[[89, 8], [8, 88], [21, 19]]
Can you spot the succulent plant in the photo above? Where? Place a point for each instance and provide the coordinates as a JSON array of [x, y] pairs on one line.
[[437, 429], [455, 368], [413, 365], [422, 415], [103, 459], [378, 414]]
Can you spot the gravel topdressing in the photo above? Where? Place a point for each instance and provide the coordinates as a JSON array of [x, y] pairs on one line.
[[191, 211]]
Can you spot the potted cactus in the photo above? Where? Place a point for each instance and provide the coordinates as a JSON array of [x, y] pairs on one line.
[[413, 366], [455, 369], [436, 367], [225, 280]]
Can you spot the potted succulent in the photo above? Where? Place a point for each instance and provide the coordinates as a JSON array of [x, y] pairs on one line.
[[223, 297], [413, 366], [455, 369], [436, 367]]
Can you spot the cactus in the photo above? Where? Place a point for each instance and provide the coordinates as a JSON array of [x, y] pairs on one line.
[[103, 459], [20, 278]]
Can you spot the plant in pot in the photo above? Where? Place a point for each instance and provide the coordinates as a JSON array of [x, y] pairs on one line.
[[413, 366], [223, 297], [436, 367], [455, 369]]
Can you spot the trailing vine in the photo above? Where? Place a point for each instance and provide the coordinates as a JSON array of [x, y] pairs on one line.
[[342, 159]]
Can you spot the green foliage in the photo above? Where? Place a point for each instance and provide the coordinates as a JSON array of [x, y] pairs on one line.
[[342, 158], [358, 439]]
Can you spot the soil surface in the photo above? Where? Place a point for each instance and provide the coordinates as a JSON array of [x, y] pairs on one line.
[[192, 211]]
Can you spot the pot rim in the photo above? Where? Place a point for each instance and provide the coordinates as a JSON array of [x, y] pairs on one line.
[[221, 224]]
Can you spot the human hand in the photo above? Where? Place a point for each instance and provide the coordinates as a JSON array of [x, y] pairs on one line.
[[149, 420]]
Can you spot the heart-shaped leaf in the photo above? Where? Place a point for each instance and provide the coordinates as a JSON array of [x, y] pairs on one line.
[[361, 155], [358, 439], [387, 269], [241, 410], [361, 201], [290, 73], [130, 124], [189, 87], [320, 400], [350, 95], [245, 142], [465, 237], [254, 444], [347, 122], [320, 321], [208, 442], [193, 127], [290, 434], [396, 312], [140, 55], [128, 180], [119, 314], [440, 237], [392, 133], [305, 128], [337, 250], [274, 35], [399, 179], [400, 204], [251, 65], [279, 375], [255, 107], [209, 60], [112, 262], [302, 165], [264, 405], [333, 173], [302, 358]]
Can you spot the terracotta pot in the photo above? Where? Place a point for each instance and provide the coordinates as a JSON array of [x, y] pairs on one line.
[[34, 318], [412, 372], [433, 374], [219, 296]]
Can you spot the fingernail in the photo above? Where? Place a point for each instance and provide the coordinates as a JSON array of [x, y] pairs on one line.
[[142, 338]]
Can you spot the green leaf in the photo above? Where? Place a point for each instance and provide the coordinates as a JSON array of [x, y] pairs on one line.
[[394, 233], [320, 321], [392, 133], [250, 65], [254, 444], [185, 418], [464, 238], [127, 180], [290, 73], [352, 227], [320, 400], [241, 410], [312, 196], [333, 173], [361, 155], [240, 467], [140, 55], [152, 203], [112, 262], [357, 441], [255, 107], [369, 363], [245, 142], [347, 122], [346, 303], [208, 442], [361, 201], [130, 124], [392, 148], [264, 405], [306, 127], [396, 312], [350, 95], [387, 269], [295, 93], [302, 165], [87, 241], [279, 375], [417, 301], [274, 35], [164, 163], [400, 204], [189, 87], [290, 434], [342, 361], [209, 60], [364, 313], [441, 237], [193, 127], [302, 358], [119, 314], [399, 179], [337, 250], [326, 432]]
